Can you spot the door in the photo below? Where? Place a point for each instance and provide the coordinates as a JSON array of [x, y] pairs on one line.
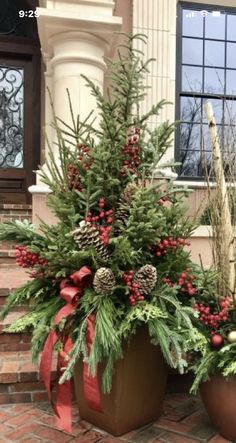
[[19, 118]]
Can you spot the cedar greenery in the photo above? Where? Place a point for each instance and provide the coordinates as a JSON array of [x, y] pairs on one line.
[[94, 169]]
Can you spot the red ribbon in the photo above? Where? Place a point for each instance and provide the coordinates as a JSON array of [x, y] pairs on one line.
[[71, 290]]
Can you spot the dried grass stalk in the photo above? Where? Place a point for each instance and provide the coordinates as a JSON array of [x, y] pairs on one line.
[[223, 236]]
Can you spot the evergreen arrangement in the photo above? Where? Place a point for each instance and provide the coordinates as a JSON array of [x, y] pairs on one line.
[[216, 321], [126, 230]]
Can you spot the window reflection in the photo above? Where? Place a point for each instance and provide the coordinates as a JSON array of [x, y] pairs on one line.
[[231, 27], [231, 55], [215, 27], [214, 53], [214, 81], [192, 51], [192, 79], [192, 23], [208, 72]]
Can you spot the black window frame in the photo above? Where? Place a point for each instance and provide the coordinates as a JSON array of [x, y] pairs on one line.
[[179, 93]]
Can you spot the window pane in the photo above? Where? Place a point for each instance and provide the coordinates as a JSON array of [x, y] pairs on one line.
[[191, 109], [231, 82], [214, 53], [230, 112], [215, 26], [191, 79], [11, 117], [214, 81], [192, 51], [231, 27], [231, 55], [194, 163], [217, 106], [190, 136], [192, 23]]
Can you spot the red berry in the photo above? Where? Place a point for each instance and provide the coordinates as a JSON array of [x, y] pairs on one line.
[[217, 340]]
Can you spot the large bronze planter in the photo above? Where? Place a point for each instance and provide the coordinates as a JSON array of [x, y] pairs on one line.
[[138, 388], [219, 398]]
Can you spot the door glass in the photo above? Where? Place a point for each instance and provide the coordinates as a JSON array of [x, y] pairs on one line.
[[11, 117]]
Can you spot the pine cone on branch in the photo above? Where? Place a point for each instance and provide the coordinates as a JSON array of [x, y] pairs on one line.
[[87, 236], [122, 211], [146, 278], [104, 281]]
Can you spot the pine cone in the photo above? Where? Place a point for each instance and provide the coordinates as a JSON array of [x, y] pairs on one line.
[[123, 208], [104, 281], [128, 193], [87, 236], [146, 278]]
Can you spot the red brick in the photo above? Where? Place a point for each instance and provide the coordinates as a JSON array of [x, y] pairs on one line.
[[22, 431], [170, 437], [89, 437], [111, 440], [4, 416], [53, 435], [26, 387], [182, 428], [18, 409], [15, 398], [195, 418], [39, 396], [19, 420], [218, 439], [4, 429]]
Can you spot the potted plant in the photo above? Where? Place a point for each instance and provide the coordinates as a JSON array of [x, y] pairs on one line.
[[215, 372], [101, 293]]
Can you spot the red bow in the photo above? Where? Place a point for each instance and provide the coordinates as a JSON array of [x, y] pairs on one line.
[[71, 289]]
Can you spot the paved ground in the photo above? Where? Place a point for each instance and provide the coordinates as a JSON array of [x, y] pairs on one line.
[[183, 421]]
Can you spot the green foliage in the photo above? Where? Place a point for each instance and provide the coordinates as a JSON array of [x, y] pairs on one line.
[[20, 231]]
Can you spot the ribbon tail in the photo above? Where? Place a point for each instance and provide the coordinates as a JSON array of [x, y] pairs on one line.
[[46, 363], [64, 406], [91, 384]]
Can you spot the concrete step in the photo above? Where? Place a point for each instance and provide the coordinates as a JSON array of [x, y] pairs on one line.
[[19, 379]]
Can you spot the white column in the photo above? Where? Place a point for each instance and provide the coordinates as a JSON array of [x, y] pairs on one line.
[[158, 22], [75, 35]]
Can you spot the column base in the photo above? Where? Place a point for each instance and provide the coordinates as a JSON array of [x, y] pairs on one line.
[[40, 209]]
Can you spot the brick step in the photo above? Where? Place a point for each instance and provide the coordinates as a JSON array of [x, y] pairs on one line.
[[13, 212], [3, 297], [13, 342], [19, 379], [7, 256], [13, 217]]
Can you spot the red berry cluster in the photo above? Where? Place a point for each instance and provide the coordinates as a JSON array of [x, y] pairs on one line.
[[102, 221], [84, 156], [27, 259], [213, 316], [162, 201], [184, 281], [131, 150], [134, 294], [169, 243], [73, 178]]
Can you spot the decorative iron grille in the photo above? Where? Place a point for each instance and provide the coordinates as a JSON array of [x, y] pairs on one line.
[[11, 117]]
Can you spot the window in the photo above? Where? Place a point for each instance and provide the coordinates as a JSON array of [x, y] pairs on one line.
[[206, 70]]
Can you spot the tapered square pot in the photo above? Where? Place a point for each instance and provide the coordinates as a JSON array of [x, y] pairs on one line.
[[138, 388], [219, 398]]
